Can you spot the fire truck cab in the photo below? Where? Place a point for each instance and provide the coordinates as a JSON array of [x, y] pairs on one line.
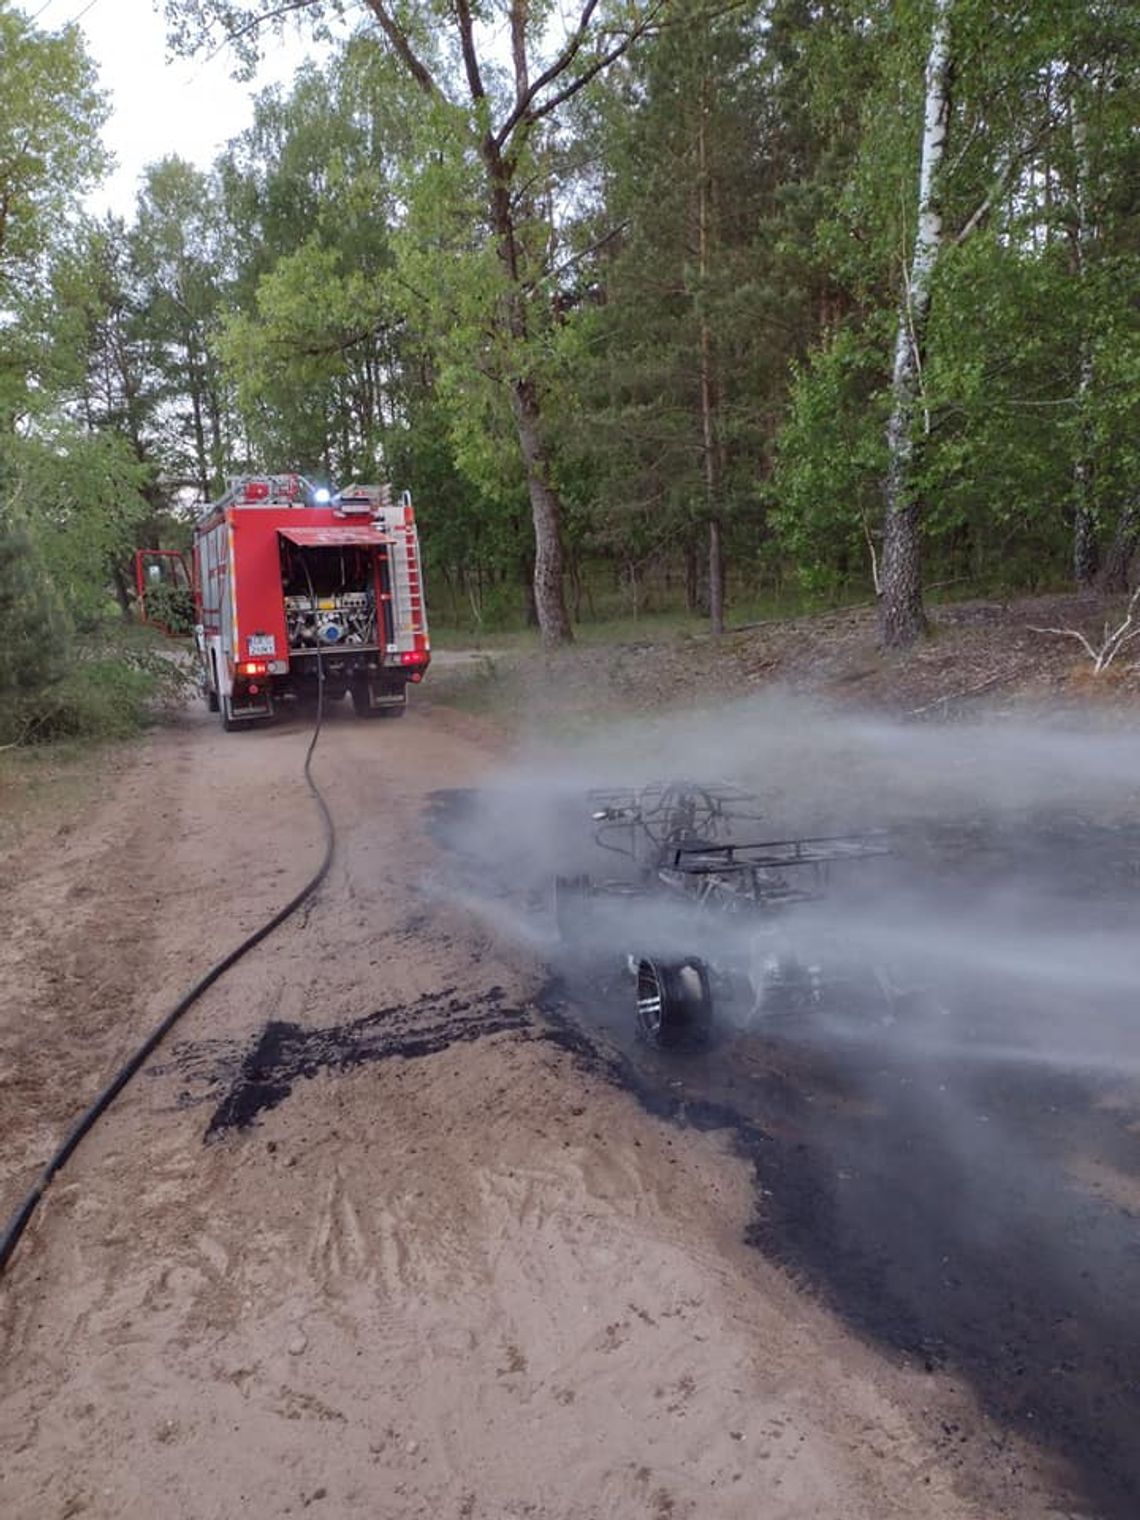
[[293, 585]]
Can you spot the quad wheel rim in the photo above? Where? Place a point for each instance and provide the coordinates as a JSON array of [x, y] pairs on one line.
[[650, 998]]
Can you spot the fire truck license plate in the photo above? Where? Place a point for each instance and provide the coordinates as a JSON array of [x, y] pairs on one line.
[[262, 643]]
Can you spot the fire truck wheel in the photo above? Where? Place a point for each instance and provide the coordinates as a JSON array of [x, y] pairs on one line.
[[674, 1003], [229, 722], [211, 692], [362, 700], [363, 708]]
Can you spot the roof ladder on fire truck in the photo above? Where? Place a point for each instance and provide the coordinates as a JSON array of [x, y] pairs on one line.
[[406, 580]]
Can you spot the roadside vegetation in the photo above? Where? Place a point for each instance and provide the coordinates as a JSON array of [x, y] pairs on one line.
[[682, 318]]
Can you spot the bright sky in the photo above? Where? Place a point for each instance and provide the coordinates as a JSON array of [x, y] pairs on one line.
[[189, 107]]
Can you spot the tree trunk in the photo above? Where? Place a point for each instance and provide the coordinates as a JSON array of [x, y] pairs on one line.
[[574, 570], [546, 509], [1125, 542], [194, 381], [902, 619], [217, 445], [692, 598], [709, 441], [526, 581], [545, 504], [633, 581], [716, 578], [123, 593], [1085, 546], [588, 50]]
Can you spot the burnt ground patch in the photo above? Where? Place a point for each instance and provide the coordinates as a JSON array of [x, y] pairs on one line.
[[962, 1201], [937, 1213], [242, 1083], [941, 1207], [940, 1218]]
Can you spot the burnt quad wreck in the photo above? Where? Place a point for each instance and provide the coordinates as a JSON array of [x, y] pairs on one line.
[[699, 917]]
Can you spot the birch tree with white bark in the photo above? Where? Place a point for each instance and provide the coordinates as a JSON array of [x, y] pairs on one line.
[[901, 616], [1084, 513]]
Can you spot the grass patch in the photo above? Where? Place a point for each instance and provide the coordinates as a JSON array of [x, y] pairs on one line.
[[116, 682], [613, 624]]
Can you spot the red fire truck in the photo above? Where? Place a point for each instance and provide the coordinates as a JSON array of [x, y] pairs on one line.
[[291, 582]]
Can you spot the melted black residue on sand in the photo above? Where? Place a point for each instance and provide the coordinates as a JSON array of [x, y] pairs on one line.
[[939, 1206], [286, 1053], [985, 1261], [935, 1211]]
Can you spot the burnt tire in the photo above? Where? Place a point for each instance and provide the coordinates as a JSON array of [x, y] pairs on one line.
[[674, 1003]]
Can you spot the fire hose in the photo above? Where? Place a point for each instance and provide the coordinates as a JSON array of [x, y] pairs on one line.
[[20, 1220]]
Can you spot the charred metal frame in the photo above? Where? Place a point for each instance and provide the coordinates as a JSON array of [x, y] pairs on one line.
[[678, 836], [680, 840]]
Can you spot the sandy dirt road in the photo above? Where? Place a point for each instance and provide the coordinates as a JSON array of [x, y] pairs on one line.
[[446, 1269]]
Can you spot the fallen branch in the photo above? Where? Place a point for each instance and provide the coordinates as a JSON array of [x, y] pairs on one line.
[[956, 696], [1112, 642], [25, 733]]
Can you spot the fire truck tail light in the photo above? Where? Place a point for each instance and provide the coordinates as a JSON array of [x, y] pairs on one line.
[[252, 668], [411, 657]]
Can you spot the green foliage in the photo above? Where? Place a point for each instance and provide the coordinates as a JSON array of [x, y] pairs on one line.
[[107, 693], [313, 341], [1004, 414], [694, 269], [170, 607], [687, 312], [34, 630], [294, 368], [175, 258], [77, 676], [999, 387], [832, 459], [82, 496], [50, 116], [53, 684]]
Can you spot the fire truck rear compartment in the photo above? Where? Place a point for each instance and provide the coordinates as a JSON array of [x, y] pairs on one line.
[[331, 597], [334, 597]]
